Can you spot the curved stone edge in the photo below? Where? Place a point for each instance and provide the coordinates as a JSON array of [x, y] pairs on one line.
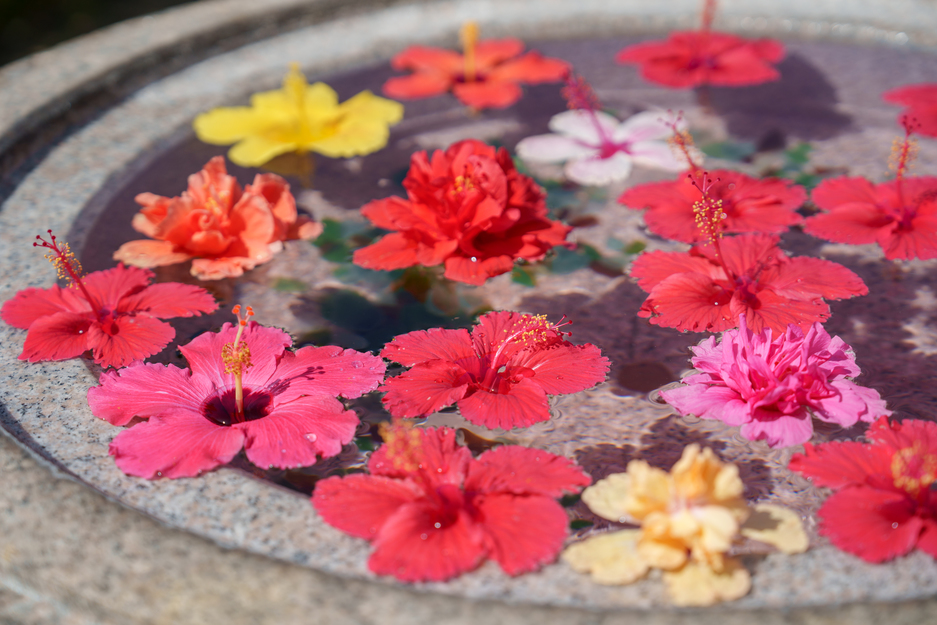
[[82, 381]]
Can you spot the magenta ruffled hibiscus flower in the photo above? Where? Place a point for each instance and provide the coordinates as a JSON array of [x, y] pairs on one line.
[[244, 389], [114, 313], [885, 504], [433, 512], [499, 375], [772, 388]]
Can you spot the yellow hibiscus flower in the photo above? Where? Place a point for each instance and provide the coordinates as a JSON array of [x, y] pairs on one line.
[[689, 519], [300, 118]]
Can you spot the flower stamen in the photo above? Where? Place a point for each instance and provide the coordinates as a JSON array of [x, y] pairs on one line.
[[237, 359], [468, 37], [903, 152], [66, 266], [404, 445]]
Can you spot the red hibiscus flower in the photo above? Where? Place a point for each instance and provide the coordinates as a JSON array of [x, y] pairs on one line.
[[243, 389], [433, 512], [499, 375], [706, 290], [693, 58], [885, 502], [921, 101], [467, 207], [226, 231], [114, 313], [768, 205], [486, 76]]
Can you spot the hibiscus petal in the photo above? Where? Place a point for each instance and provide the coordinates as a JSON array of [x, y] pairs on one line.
[[360, 504], [776, 526], [907, 433], [128, 338], [58, 336], [424, 389], [853, 403], [203, 353], [834, 192], [491, 52], [424, 57], [256, 150], [552, 149], [531, 68], [224, 126], [170, 299], [696, 584], [836, 465], [599, 171], [918, 242], [411, 547], [525, 532], [295, 433], [646, 126], [444, 461], [656, 154], [110, 285], [876, 525], [778, 430], [581, 126], [488, 93], [328, 370], [612, 558], [709, 402], [567, 369], [652, 268], [392, 251], [434, 344], [522, 406], [30, 304], [805, 277], [688, 301], [857, 224], [476, 272], [523, 470], [146, 390], [182, 444]]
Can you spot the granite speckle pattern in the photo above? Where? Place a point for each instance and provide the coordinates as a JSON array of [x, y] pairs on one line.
[[45, 408]]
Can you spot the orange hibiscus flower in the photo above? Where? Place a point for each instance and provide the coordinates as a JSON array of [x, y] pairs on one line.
[[226, 231]]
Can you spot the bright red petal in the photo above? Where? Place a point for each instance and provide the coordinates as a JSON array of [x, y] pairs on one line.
[[530, 68], [329, 371], [59, 336], [770, 310], [522, 406], [568, 369], [837, 465], [425, 388], [422, 84], [294, 434], [525, 532], [412, 548], [876, 525], [392, 251], [652, 268], [146, 390], [689, 301], [918, 242], [30, 304], [491, 52], [462, 269], [128, 338], [434, 344], [907, 433], [170, 299], [110, 285], [488, 93], [423, 57], [834, 192], [524, 471], [177, 445], [360, 504], [858, 224], [444, 461], [806, 278]]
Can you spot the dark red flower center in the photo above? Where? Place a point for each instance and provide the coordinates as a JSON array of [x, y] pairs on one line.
[[222, 409]]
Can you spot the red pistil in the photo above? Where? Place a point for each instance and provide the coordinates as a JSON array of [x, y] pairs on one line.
[[237, 360], [709, 215], [903, 152], [530, 330], [580, 96], [68, 268]]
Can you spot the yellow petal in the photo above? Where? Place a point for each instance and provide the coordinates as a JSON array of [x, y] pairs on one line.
[[698, 585], [662, 552], [610, 558], [353, 137], [777, 526], [223, 126], [256, 150], [719, 527], [370, 106]]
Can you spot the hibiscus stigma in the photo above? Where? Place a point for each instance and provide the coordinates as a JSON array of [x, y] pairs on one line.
[[237, 359]]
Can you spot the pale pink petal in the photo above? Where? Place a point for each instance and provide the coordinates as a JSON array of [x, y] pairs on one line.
[[360, 504], [525, 532], [553, 149], [599, 172], [645, 126], [146, 390], [524, 405], [656, 154], [853, 403], [583, 126]]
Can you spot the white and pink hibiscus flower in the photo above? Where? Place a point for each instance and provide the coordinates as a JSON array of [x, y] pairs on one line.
[[244, 389], [598, 149], [772, 388]]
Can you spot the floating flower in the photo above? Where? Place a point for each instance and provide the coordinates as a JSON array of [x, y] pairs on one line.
[[488, 75], [900, 215], [773, 387], [226, 231], [692, 58], [689, 519], [433, 512], [596, 147], [499, 375], [243, 389], [767, 205], [115, 313], [300, 118], [709, 287], [921, 101], [885, 502], [468, 208]]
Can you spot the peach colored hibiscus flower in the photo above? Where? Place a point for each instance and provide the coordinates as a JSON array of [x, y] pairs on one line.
[[225, 230]]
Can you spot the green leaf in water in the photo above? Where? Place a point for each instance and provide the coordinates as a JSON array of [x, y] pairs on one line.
[[635, 247], [568, 261], [567, 501], [522, 276], [730, 150], [578, 524], [289, 285], [799, 154], [364, 443]]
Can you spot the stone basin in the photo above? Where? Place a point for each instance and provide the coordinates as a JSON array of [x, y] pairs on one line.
[[87, 125]]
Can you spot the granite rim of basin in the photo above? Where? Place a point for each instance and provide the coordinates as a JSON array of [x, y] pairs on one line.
[[78, 117]]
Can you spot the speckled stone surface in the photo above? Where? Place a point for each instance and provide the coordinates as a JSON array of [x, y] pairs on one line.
[[69, 556]]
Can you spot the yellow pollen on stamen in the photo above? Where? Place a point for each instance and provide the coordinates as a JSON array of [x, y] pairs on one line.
[[462, 184], [236, 357], [913, 470], [468, 36], [903, 152], [63, 262], [404, 445]]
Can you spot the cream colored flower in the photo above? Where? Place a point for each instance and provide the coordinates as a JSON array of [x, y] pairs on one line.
[[689, 519]]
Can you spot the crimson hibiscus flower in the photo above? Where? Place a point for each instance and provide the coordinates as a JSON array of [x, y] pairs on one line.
[[433, 512], [768, 205], [114, 313], [468, 208], [243, 389], [486, 76], [921, 101], [706, 290], [499, 375], [885, 502]]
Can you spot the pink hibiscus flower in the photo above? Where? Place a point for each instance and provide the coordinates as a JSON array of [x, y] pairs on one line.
[[468, 208], [921, 101], [433, 512], [244, 389], [706, 289], [885, 502], [767, 205], [499, 375], [772, 388], [114, 313], [488, 75]]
